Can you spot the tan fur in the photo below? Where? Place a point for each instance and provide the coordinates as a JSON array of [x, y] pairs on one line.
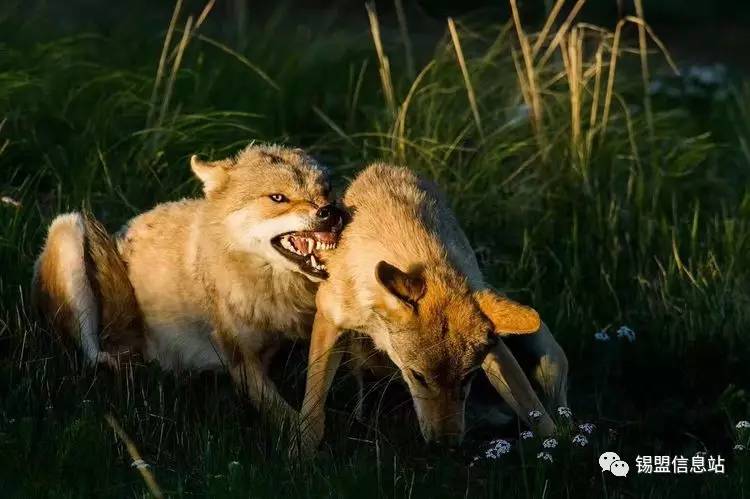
[[405, 275], [80, 286], [211, 291]]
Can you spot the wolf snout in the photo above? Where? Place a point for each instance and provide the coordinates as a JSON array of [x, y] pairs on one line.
[[326, 212], [331, 216]]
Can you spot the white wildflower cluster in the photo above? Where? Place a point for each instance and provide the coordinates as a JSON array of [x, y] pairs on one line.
[[739, 447], [580, 440], [549, 443], [565, 412], [623, 332], [587, 428], [534, 415], [701, 81], [708, 75], [627, 333], [139, 464], [743, 425], [497, 448], [544, 456], [525, 435], [601, 335]]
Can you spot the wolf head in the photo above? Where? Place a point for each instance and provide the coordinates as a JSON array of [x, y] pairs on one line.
[[438, 333], [274, 203]]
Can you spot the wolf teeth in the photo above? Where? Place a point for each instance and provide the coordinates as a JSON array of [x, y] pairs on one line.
[[308, 244], [287, 245], [316, 264], [324, 246]]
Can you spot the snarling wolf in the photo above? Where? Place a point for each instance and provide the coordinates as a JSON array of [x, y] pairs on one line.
[[199, 284], [405, 276]]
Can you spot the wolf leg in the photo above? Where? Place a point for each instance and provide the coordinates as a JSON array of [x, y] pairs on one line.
[[511, 382], [550, 366], [249, 371], [356, 364], [323, 361], [252, 379]]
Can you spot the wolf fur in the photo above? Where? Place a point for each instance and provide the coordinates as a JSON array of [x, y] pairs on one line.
[[199, 284], [405, 276]]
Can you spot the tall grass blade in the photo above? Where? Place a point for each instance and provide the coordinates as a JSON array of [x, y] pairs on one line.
[[465, 72]]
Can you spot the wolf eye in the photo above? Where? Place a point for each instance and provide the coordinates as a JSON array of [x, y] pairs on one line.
[[278, 198], [419, 377]]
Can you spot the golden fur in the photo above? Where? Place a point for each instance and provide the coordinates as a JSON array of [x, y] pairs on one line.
[[405, 275], [200, 276]]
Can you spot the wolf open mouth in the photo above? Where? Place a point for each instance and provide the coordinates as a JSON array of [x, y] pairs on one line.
[[304, 248]]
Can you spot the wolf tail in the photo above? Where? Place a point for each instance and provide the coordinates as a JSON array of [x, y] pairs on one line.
[[81, 287]]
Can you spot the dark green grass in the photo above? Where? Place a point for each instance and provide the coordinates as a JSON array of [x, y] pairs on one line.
[[648, 229]]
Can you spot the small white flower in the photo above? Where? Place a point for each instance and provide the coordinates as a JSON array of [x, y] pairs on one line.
[[11, 421], [743, 425], [9, 201], [550, 443], [739, 447], [534, 415], [627, 333], [564, 412], [601, 336], [587, 428], [544, 456], [581, 440], [525, 435], [501, 446]]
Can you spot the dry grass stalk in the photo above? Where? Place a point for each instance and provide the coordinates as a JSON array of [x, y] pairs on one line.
[[465, 73], [138, 461], [560, 32], [534, 101], [175, 68], [572, 55], [400, 125], [643, 48], [384, 65], [162, 61], [404, 31], [551, 17]]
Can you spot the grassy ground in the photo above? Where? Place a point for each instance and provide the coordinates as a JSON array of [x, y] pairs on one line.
[[601, 205]]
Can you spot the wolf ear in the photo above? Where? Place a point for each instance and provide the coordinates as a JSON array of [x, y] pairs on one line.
[[408, 288], [212, 174], [507, 316]]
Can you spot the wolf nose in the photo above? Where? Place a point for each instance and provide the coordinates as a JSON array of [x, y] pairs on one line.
[[326, 212]]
